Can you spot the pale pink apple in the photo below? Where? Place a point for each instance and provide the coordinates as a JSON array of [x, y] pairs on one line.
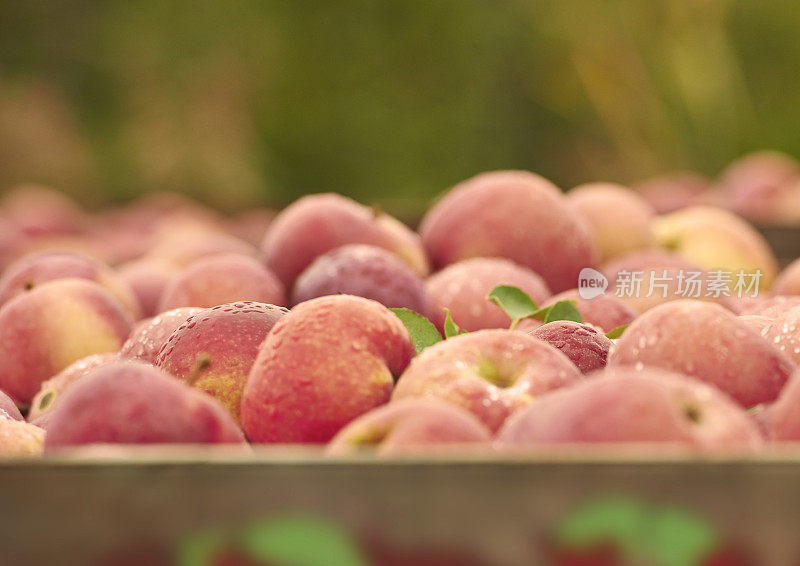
[[512, 214], [619, 218], [463, 288], [629, 406]]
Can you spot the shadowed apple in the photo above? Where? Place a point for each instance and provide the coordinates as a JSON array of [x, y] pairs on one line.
[[365, 271], [411, 426]]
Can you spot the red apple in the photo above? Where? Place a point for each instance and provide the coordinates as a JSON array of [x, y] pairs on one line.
[[214, 349], [491, 373], [325, 363], [134, 403], [145, 341]]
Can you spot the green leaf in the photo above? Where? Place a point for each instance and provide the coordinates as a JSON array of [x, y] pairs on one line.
[[617, 332], [563, 310], [450, 327], [643, 533], [616, 520], [423, 332], [514, 301], [301, 541], [679, 538]]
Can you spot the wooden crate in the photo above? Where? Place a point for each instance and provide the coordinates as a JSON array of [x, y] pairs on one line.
[[68, 511]]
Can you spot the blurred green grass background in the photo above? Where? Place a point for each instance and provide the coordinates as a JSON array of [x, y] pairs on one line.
[[389, 101]]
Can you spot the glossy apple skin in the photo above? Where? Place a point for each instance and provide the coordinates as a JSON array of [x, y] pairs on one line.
[[131, 402], [53, 325], [408, 427], [316, 224], [708, 342], [463, 288], [628, 406], [512, 214], [214, 349], [328, 361], [491, 373], [149, 336]]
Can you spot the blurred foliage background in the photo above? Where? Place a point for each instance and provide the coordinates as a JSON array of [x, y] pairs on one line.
[[388, 101]]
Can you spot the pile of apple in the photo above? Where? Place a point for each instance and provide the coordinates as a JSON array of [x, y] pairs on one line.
[[334, 324], [763, 187]]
